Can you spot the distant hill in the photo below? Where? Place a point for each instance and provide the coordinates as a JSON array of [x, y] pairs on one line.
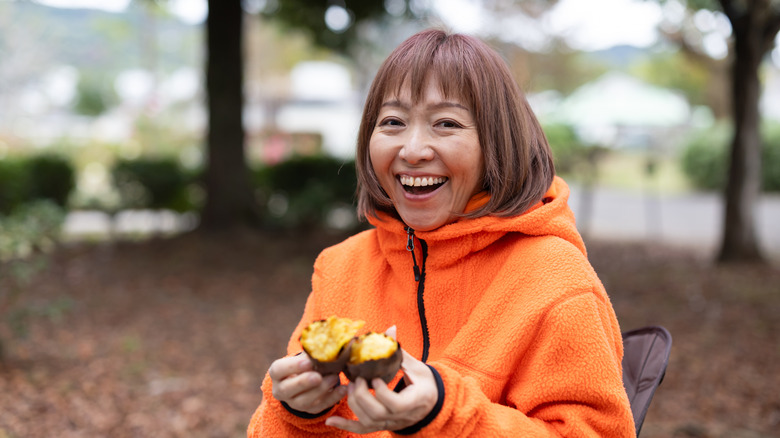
[[96, 40], [618, 57]]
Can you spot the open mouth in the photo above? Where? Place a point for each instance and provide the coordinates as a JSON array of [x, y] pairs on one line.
[[421, 185]]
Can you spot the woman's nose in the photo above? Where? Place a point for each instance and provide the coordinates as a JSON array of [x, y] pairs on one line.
[[417, 147]]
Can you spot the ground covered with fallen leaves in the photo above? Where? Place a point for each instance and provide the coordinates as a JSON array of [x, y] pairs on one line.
[[171, 337]]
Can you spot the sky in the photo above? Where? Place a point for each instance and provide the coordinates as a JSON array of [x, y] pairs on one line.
[[587, 25]]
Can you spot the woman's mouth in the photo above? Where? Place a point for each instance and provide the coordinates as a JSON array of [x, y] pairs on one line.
[[420, 185]]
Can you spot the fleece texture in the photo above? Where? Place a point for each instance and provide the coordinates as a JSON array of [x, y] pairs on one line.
[[519, 326]]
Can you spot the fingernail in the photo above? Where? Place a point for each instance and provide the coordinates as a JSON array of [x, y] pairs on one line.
[[350, 388]]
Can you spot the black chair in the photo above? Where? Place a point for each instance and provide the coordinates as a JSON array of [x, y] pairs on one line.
[[645, 357]]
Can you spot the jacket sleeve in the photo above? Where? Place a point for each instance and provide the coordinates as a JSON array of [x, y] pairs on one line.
[[569, 383], [272, 418]]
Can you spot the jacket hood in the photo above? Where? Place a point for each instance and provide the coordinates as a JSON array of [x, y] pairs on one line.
[[549, 217]]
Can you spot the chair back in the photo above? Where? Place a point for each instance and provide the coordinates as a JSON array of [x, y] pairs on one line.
[[645, 357]]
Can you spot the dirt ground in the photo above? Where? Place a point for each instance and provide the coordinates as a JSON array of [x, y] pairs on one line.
[[171, 337]]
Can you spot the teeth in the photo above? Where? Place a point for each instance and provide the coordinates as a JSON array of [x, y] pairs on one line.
[[421, 181]]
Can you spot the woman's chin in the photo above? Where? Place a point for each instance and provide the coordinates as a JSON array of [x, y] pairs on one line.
[[423, 222]]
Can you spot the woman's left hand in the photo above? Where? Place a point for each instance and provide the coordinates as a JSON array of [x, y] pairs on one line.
[[386, 409]]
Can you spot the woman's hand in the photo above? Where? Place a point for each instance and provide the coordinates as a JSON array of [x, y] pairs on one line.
[[302, 389], [386, 409]]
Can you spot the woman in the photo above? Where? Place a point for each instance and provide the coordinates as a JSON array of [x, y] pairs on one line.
[[474, 262]]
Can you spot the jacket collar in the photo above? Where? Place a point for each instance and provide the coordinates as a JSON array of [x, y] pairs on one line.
[[449, 243]]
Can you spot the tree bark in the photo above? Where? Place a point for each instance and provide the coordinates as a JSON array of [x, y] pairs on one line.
[[229, 200], [740, 241]]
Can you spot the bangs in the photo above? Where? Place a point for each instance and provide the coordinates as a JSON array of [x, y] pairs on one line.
[[437, 60], [518, 165]]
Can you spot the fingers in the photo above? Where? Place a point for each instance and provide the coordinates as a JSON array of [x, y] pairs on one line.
[[365, 406], [321, 397], [348, 425], [385, 410], [287, 366], [410, 363], [294, 383], [391, 332], [331, 397], [293, 386], [291, 376], [372, 416], [391, 401]]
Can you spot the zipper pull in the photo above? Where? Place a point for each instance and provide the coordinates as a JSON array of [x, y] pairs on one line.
[[410, 248], [410, 240]]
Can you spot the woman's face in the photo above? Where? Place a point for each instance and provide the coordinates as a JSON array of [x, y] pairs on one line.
[[427, 156]]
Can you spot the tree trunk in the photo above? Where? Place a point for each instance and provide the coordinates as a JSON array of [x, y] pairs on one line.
[[229, 200], [739, 240]]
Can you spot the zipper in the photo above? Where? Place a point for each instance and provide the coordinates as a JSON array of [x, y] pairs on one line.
[[419, 277]]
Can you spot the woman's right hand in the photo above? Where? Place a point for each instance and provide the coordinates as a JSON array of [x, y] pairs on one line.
[[295, 383]]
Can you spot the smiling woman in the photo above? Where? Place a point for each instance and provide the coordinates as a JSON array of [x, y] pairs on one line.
[[474, 263], [426, 156]]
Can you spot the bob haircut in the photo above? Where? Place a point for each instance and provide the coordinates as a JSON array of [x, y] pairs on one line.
[[518, 161]]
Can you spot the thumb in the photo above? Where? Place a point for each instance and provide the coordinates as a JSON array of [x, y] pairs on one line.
[[391, 332], [414, 369]]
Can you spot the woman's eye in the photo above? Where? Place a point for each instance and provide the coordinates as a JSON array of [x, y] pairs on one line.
[[390, 122], [449, 124]]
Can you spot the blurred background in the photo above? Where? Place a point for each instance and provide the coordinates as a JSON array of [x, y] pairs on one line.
[[169, 169]]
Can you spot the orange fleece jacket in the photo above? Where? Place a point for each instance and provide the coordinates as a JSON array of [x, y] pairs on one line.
[[517, 324]]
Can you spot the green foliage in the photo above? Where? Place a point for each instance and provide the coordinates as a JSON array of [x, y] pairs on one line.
[[14, 184], [26, 236], [45, 37], [51, 177], [568, 150], [705, 158], [302, 191], [156, 183], [94, 95], [34, 226], [677, 71], [770, 159], [309, 15], [560, 68], [33, 178]]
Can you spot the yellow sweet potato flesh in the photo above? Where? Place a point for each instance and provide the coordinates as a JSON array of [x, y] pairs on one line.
[[323, 340], [372, 346]]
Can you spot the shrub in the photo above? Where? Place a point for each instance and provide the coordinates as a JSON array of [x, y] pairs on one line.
[[705, 158], [302, 191], [567, 149], [51, 177], [14, 184], [770, 160], [37, 177], [26, 236], [156, 183], [34, 226]]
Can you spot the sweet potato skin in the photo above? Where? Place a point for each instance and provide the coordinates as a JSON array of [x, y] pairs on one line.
[[385, 368]]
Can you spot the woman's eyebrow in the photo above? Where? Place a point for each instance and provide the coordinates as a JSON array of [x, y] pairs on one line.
[[447, 104], [437, 105], [395, 103]]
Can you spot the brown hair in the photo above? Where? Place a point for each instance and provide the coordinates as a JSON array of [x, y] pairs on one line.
[[518, 162]]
